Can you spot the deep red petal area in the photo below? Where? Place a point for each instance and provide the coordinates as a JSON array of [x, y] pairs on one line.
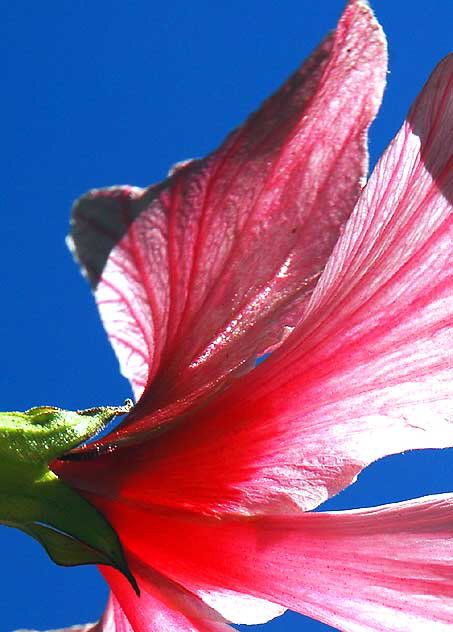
[[198, 276], [386, 568]]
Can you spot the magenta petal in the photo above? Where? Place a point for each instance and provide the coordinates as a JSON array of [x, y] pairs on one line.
[[113, 619], [198, 276], [387, 568], [368, 373], [384, 568], [163, 606]]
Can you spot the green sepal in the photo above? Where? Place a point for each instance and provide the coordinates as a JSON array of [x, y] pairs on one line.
[[43, 433], [34, 500]]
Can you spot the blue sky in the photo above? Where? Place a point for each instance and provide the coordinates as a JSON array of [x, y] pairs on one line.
[[100, 93]]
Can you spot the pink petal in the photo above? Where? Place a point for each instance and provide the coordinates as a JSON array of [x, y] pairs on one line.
[[368, 373], [384, 568], [113, 619], [163, 606], [222, 257]]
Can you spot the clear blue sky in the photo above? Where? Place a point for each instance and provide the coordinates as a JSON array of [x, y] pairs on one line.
[[99, 93]]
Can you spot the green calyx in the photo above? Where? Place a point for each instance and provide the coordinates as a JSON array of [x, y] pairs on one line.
[[34, 500]]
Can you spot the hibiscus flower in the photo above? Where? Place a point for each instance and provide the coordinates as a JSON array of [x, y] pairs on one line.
[[211, 480]]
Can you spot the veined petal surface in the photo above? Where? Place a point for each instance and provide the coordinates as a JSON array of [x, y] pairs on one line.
[[198, 276], [366, 374], [210, 510], [387, 568]]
